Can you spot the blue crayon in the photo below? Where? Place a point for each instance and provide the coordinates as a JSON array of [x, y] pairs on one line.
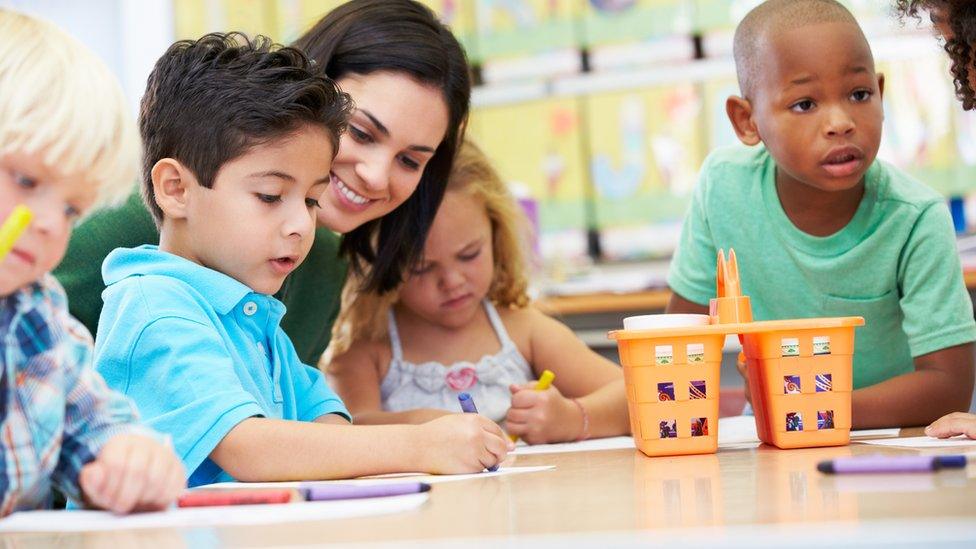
[[468, 407]]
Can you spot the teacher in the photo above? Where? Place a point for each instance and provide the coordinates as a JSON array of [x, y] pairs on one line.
[[409, 80]]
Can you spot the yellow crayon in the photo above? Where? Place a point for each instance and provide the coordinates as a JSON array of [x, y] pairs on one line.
[[12, 229], [545, 380]]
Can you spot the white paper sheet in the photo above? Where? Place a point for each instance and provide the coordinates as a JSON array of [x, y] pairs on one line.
[[386, 479], [83, 521], [610, 443], [875, 433], [737, 430], [923, 442]]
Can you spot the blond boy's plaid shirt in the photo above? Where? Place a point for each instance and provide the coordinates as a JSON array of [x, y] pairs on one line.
[[56, 410]]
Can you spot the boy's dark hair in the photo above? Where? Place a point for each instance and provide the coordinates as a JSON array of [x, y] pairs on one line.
[[961, 16], [208, 101], [401, 36]]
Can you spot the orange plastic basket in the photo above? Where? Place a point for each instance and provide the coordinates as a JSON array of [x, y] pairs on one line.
[[801, 380], [800, 376], [672, 381]]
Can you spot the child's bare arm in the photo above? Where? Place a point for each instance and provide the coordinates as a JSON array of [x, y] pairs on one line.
[[262, 449], [597, 384], [678, 305], [355, 375], [941, 383]]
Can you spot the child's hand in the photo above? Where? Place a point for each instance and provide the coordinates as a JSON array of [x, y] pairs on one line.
[[956, 423], [132, 473], [539, 417], [740, 364], [462, 443]]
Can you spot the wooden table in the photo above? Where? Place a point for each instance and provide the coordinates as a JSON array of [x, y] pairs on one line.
[[624, 498]]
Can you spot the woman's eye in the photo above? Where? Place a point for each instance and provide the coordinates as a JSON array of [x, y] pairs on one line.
[[269, 198], [312, 203], [410, 163], [359, 135]]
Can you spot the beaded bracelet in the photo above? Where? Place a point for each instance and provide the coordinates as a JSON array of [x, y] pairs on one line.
[[585, 433]]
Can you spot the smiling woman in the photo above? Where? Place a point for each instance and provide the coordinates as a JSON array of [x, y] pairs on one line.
[[408, 78]]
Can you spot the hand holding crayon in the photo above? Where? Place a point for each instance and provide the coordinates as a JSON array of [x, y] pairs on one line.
[[545, 380], [460, 443], [545, 416]]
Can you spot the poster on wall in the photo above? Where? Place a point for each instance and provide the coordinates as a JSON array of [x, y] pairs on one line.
[[918, 134], [518, 28], [535, 146], [645, 150], [618, 21]]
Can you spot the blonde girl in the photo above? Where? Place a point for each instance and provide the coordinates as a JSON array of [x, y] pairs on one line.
[[461, 322]]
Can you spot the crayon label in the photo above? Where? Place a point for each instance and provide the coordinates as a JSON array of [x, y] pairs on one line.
[[791, 385], [663, 355], [821, 345], [790, 346], [696, 353], [825, 419], [794, 421], [823, 383], [669, 428], [696, 390], [665, 391]]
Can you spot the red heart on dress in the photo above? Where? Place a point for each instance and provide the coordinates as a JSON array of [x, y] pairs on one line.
[[461, 380]]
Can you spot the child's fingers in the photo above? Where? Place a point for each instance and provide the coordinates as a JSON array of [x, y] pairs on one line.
[[157, 484], [491, 427], [91, 480], [516, 428], [134, 479], [113, 458], [519, 416], [175, 482], [957, 423], [526, 399], [497, 448]]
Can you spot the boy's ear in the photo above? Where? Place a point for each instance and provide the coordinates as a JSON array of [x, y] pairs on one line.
[[740, 114], [881, 80], [171, 185]]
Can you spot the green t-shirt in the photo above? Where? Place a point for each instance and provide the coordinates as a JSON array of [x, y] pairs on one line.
[[895, 263], [310, 293]]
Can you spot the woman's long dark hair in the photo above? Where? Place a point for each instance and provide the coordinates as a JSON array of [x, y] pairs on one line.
[[365, 36], [961, 16]]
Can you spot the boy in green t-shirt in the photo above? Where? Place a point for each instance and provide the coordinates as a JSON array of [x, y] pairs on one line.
[[821, 227]]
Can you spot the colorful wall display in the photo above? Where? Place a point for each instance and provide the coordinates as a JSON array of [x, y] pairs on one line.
[[536, 147], [624, 162]]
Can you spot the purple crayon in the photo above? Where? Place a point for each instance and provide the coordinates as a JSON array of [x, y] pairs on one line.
[[468, 407], [324, 492], [878, 463]]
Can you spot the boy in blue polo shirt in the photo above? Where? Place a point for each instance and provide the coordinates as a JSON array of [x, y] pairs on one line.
[[821, 227], [239, 140]]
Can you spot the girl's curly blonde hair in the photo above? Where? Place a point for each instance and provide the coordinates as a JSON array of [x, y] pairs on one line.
[[363, 314]]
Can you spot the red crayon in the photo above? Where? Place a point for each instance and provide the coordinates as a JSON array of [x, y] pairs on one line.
[[211, 498]]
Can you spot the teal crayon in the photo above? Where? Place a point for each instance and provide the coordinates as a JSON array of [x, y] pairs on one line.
[[468, 407]]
